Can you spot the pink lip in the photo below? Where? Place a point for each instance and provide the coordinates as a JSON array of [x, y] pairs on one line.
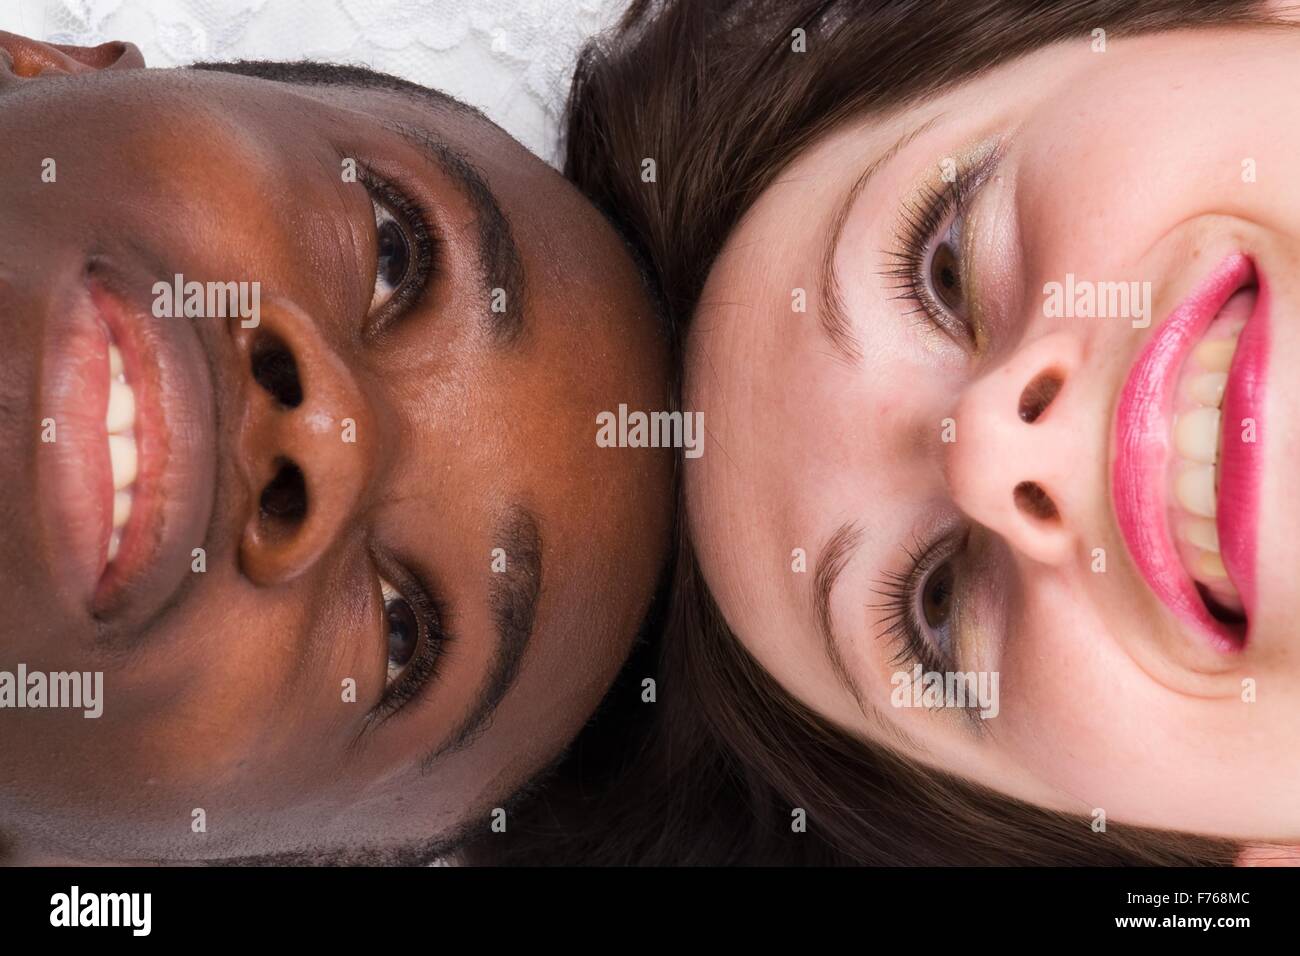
[[152, 448], [1241, 463], [1143, 429], [175, 440], [73, 455]]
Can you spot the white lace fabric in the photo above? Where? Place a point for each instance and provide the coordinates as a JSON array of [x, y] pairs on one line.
[[511, 58]]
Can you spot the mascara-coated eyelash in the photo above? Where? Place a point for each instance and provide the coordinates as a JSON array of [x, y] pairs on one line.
[[420, 243], [903, 594], [919, 234]]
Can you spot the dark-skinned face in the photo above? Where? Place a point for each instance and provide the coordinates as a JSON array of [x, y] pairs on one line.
[[351, 573]]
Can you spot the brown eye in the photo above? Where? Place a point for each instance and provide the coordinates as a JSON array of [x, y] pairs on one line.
[[945, 278], [402, 626], [394, 253], [394, 259], [936, 596]]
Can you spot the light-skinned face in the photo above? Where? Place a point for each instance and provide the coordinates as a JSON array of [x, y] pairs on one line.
[[1092, 502], [418, 573]]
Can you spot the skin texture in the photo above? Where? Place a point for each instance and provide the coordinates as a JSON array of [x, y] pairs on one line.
[[1118, 165], [225, 692]]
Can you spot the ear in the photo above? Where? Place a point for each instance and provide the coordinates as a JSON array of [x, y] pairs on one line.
[[25, 58], [1268, 854]]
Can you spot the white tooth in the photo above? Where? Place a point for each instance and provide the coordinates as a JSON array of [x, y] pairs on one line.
[[1209, 566], [1195, 490], [1196, 436], [1207, 389], [121, 453], [121, 408], [114, 542], [121, 508], [1201, 533], [115, 366], [1216, 355]]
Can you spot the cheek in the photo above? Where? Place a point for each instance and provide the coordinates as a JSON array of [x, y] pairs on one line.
[[1072, 702], [1110, 171], [1086, 203], [241, 677]]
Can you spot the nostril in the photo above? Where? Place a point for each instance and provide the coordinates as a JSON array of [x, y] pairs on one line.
[[276, 371], [1038, 395], [284, 499], [1032, 500]]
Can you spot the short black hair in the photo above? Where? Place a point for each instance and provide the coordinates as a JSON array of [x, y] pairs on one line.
[[317, 73]]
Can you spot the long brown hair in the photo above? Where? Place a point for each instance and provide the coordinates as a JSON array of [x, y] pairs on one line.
[[717, 769]]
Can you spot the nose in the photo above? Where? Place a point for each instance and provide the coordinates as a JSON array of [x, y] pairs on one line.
[[22, 58], [304, 444], [1019, 461]]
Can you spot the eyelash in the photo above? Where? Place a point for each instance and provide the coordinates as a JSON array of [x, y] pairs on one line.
[[425, 250], [424, 244], [918, 228], [426, 664], [901, 591]]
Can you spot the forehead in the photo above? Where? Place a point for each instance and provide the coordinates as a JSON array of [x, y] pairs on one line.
[[809, 435], [757, 333]]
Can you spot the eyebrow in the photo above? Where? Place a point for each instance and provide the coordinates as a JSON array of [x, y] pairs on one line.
[[832, 313], [513, 597], [832, 559], [501, 266]]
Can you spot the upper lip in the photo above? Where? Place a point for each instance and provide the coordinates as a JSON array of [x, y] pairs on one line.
[[1143, 448], [175, 436]]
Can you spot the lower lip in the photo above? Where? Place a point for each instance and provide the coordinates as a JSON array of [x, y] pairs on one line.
[[74, 475], [1241, 463], [1144, 446]]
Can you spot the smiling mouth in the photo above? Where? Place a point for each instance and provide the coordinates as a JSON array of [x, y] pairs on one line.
[[1187, 465], [128, 478], [133, 421]]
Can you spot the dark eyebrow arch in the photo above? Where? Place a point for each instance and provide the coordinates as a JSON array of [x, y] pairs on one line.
[[513, 596], [834, 318], [832, 558], [501, 266]]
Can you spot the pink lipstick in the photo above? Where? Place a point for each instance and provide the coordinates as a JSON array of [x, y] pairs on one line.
[[1145, 455]]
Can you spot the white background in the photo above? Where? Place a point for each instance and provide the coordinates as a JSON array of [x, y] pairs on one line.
[[511, 58]]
